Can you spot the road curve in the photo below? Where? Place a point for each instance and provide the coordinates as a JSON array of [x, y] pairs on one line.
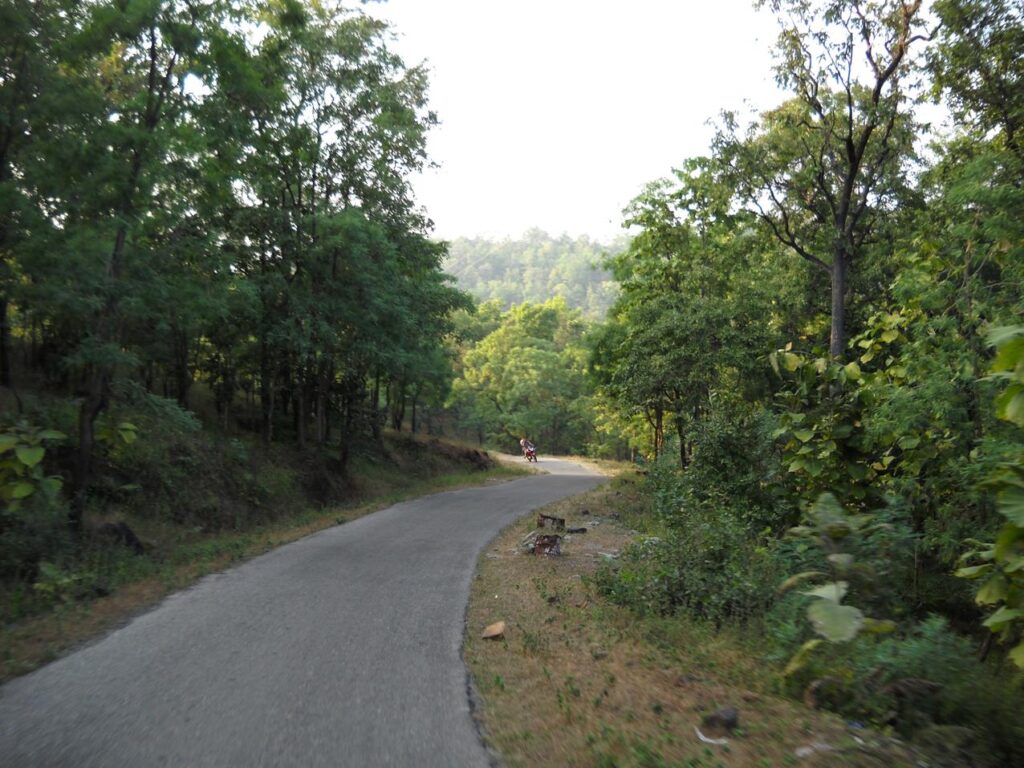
[[342, 649]]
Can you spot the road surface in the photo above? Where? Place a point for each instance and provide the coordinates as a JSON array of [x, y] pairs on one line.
[[342, 649]]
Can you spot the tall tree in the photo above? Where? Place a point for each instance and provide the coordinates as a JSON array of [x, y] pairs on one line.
[[819, 169]]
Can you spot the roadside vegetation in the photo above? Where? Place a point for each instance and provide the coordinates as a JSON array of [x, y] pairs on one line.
[[577, 680], [220, 311], [817, 357]]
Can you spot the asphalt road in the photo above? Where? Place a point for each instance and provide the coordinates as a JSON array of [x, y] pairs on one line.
[[342, 649]]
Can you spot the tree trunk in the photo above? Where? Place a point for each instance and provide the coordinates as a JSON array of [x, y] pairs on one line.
[[375, 408], [837, 335], [184, 373], [681, 431], [266, 394], [5, 343], [322, 394], [98, 389], [93, 404], [300, 415], [348, 404], [398, 409]]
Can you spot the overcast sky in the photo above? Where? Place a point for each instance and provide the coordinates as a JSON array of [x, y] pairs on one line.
[[555, 113]]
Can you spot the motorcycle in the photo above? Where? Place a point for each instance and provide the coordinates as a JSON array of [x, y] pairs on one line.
[[530, 454]]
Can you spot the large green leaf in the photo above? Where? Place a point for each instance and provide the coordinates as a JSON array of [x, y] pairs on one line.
[[1017, 655], [992, 591], [836, 623], [1009, 355], [797, 579], [834, 591], [22, 490], [1002, 617], [973, 571], [1010, 404], [1010, 503], [30, 455], [7, 442], [790, 361], [800, 658], [1003, 333]]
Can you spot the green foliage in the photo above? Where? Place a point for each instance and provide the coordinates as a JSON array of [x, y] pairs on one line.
[[22, 474], [535, 268], [841, 537], [921, 677], [1000, 565], [706, 560], [527, 378]]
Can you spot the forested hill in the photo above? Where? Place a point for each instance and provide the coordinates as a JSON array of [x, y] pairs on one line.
[[536, 267]]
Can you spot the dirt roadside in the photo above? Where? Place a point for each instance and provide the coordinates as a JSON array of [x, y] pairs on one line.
[[575, 681]]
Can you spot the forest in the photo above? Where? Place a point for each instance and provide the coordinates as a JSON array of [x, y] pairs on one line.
[[216, 286], [817, 353], [810, 342], [535, 268]]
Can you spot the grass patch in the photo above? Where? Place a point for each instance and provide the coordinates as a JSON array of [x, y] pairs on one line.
[[577, 681], [178, 555]]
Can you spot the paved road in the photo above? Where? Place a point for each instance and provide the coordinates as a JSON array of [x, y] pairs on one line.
[[342, 649]]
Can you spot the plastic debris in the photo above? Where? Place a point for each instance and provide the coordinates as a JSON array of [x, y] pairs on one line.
[[707, 740]]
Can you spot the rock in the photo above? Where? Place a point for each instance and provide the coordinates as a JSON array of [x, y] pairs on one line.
[[726, 719], [688, 679], [120, 533], [495, 631]]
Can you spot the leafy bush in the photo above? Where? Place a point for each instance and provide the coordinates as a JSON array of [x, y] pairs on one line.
[[708, 569], [923, 677], [1001, 563], [709, 558]]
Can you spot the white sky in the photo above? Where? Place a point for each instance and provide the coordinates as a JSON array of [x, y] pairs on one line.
[[555, 113]]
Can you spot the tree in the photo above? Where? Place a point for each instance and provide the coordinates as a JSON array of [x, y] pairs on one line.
[[820, 168], [528, 378], [691, 317], [31, 87], [977, 64]]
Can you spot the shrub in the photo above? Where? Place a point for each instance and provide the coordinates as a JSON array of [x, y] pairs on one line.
[[711, 568], [924, 677]]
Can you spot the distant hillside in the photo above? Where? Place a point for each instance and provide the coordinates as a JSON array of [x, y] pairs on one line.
[[535, 268]]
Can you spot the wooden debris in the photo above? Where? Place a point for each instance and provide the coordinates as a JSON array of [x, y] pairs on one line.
[[548, 521], [547, 544]]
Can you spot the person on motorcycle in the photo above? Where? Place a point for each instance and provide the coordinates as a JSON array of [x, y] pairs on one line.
[[527, 446]]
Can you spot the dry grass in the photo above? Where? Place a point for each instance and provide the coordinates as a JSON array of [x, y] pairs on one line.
[[579, 682]]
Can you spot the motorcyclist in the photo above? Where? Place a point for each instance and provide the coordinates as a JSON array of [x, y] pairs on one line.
[[527, 446]]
